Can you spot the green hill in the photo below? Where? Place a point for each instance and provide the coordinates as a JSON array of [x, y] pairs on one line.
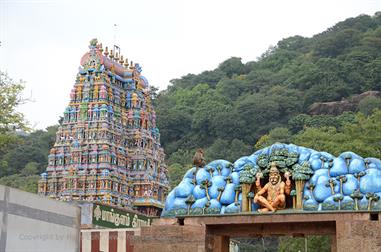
[[227, 110]]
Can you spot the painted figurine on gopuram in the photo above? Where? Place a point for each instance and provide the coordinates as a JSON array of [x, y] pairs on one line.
[[278, 178], [275, 191], [107, 146]]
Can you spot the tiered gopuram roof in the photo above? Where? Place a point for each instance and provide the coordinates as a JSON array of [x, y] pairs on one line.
[[107, 147]]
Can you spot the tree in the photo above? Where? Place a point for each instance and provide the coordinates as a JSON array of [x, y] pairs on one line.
[[232, 66], [10, 119], [314, 243], [10, 98], [231, 88], [31, 168], [281, 135], [223, 149], [362, 137], [189, 201], [356, 195], [25, 183], [301, 173], [369, 104]]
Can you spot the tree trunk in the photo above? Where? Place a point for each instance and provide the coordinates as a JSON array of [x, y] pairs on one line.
[[219, 195], [207, 192], [299, 193], [370, 204], [236, 196], [245, 200], [332, 188]]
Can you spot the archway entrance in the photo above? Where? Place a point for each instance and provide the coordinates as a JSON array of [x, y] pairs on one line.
[[350, 231]]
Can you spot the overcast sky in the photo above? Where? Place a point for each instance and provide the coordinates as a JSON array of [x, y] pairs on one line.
[[42, 41]]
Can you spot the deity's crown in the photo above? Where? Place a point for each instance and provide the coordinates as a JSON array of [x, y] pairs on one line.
[[273, 168]]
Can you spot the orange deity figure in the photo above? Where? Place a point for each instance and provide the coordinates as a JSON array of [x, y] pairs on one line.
[[95, 94], [275, 190], [134, 100]]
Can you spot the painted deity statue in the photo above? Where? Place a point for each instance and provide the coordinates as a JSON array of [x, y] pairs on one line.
[[134, 100], [275, 190], [103, 92]]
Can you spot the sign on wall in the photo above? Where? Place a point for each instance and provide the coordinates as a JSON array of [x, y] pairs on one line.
[[106, 216]]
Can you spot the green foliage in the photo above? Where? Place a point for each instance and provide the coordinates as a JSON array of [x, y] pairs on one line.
[[30, 168], [247, 176], [267, 99], [10, 98], [176, 173], [25, 183], [182, 157], [20, 152], [362, 137], [281, 135], [302, 172], [314, 243], [301, 121], [223, 149], [10, 119], [30, 148], [232, 66], [369, 104]]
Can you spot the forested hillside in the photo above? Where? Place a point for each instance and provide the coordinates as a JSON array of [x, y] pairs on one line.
[[237, 106], [25, 157]]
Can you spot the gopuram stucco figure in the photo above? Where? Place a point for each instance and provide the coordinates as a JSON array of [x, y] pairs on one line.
[[275, 190]]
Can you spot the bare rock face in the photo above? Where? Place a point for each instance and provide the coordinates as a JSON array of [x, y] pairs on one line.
[[338, 107]]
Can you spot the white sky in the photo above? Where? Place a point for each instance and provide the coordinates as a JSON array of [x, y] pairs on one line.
[[42, 41]]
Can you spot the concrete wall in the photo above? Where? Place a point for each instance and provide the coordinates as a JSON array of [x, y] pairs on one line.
[[32, 223]]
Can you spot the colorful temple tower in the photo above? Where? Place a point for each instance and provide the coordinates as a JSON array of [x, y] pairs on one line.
[[107, 146]]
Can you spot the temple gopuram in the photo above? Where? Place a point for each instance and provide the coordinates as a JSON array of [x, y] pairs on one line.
[[107, 147]]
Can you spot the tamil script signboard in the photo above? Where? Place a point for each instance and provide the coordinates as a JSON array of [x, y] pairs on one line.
[[106, 216]]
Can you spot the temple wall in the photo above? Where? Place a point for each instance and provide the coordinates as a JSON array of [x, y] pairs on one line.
[[31, 223]]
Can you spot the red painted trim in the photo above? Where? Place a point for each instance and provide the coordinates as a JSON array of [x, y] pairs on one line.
[[95, 240], [129, 236], [113, 241]]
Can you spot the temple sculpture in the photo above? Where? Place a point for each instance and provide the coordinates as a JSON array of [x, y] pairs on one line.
[[107, 146], [276, 191], [281, 177]]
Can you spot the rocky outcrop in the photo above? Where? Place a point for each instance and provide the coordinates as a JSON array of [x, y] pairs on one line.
[[338, 107]]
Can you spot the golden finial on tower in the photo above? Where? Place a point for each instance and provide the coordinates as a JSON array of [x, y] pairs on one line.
[[126, 63], [116, 56], [131, 65], [100, 47], [111, 54], [121, 61], [106, 51]]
